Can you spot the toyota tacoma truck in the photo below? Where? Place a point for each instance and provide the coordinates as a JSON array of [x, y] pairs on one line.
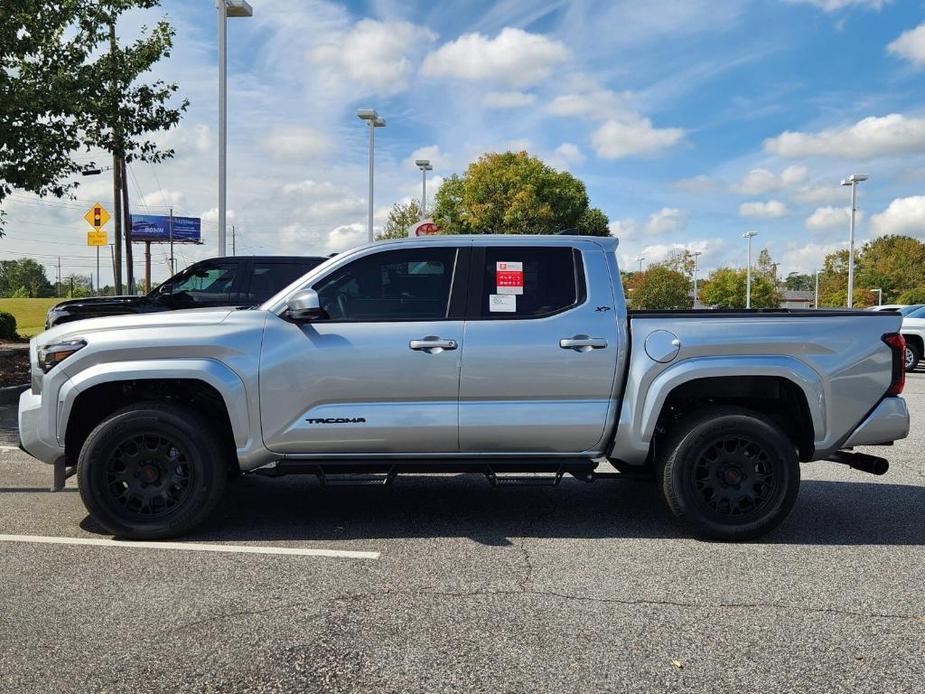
[[514, 357]]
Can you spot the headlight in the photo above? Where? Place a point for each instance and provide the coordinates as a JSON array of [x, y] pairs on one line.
[[51, 355]]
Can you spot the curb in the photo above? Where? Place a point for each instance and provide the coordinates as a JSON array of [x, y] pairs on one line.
[[10, 394]]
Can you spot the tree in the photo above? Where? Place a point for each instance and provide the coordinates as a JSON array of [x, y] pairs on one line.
[[799, 282], [726, 288], [681, 260], [75, 287], [833, 280], [893, 264], [402, 217], [23, 278], [659, 287], [514, 193], [912, 296]]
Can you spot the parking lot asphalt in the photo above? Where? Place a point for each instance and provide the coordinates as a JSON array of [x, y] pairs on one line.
[[583, 587]]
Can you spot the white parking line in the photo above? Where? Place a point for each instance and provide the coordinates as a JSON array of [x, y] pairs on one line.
[[191, 546]]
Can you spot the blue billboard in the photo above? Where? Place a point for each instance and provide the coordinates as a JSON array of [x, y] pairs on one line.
[[156, 228]]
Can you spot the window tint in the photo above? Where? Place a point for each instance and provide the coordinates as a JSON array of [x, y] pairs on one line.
[[407, 284], [528, 282], [203, 284], [919, 312], [268, 277]]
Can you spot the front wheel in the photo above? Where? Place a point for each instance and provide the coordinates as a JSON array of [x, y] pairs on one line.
[[730, 473], [151, 471], [913, 356]]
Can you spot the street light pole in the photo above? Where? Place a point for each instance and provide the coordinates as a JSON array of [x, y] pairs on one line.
[[373, 121], [879, 296], [696, 255], [424, 166], [852, 181], [640, 258], [816, 295], [226, 8], [748, 273]]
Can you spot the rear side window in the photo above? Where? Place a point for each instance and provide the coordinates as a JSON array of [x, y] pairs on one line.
[[269, 277], [530, 282]]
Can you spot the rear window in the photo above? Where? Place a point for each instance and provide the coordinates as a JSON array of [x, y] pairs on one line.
[[530, 282]]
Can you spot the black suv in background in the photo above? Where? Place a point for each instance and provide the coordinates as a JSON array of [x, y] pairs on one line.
[[233, 281]]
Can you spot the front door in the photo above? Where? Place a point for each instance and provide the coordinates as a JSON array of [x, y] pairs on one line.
[[381, 373], [541, 351]]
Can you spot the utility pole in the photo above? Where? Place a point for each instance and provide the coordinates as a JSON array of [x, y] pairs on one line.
[[170, 237], [58, 283], [127, 223], [116, 177], [232, 241]]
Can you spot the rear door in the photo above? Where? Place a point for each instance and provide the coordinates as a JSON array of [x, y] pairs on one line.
[[540, 350]]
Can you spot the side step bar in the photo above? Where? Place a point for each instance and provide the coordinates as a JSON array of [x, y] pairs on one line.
[[61, 473], [861, 461]]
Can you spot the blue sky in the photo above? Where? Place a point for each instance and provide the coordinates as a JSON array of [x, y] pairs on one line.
[[690, 121]]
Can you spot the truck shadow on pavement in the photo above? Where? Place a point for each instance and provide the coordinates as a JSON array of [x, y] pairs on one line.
[[299, 509]]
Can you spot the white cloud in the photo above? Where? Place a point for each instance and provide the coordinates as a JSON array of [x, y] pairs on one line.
[[655, 253], [666, 221], [833, 5], [819, 194], [910, 45], [761, 181], [763, 210], [826, 218], [570, 153], [514, 57], [597, 104], [807, 257], [616, 139], [505, 100], [903, 216], [438, 158], [867, 139], [297, 142], [522, 144], [699, 184], [164, 198], [372, 55]]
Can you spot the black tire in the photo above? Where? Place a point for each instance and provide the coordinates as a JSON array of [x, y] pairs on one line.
[[152, 471], [913, 356], [730, 473]]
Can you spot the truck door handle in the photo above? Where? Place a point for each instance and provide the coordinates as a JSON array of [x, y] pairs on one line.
[[582, 343], [432, 344]]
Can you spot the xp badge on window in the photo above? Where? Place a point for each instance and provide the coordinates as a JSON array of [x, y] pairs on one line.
[[502, 303], [509, 277]]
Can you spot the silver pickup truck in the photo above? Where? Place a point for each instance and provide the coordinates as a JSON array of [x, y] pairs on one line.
[[514, 357]]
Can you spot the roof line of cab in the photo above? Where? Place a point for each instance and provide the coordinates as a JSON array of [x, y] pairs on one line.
[[608, 243]]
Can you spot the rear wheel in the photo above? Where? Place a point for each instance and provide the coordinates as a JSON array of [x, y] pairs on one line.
[[913, 356], [730, 473], [151, 471]]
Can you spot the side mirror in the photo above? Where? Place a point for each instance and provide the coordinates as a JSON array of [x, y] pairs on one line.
[[304, 306]]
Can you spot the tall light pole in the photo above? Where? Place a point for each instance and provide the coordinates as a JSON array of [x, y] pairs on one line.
[[640, 258], [816, 295], [696, 255], [748, 273], [424, 166], [226, 8], [373, 121], [852, 181]]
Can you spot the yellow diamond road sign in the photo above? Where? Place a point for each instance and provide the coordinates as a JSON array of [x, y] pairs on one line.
[[97, 216], [97, 238]]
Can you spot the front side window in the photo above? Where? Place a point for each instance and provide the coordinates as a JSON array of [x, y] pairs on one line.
[[406, 284], [202, 284], [269, 276], [530, 282]]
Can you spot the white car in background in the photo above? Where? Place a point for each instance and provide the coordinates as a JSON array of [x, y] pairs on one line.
[[913, 330]]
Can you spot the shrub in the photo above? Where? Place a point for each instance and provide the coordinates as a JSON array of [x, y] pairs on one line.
[[7, 326], [913, 296]]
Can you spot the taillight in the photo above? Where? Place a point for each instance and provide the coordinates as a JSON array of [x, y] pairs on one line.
[[897, 344]]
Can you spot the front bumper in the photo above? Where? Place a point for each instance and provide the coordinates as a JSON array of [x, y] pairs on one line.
[[37, 430], [887, 422]]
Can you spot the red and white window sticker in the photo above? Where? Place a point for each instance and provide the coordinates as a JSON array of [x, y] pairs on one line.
[[509, 277]]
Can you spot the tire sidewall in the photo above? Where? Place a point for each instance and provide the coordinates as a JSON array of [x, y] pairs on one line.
[[680, 469], [203, 457], [916, 357]]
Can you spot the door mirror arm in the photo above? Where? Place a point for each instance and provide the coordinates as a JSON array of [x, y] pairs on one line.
[[305, 306]]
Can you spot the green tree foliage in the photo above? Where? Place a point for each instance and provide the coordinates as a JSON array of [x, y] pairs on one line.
[[893, 264], [402, 217], [726, 288], [75, 287], [912, 296], [659, 287], [61, 90], [681, 261], [7, 326], [514, 193], [796, 281], [23, 278]]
